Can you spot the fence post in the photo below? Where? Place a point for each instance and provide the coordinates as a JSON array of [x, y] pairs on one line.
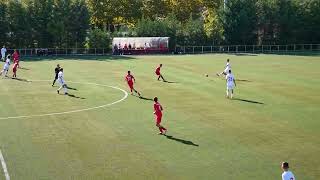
[[245, 48], [253, 48], [262, 49], [211, 49], [193, 49], [202, 49], [228, 49]]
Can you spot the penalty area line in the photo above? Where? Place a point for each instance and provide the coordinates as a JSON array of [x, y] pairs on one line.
[[4, 166]]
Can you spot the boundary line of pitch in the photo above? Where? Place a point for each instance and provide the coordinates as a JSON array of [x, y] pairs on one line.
[[73, 111]]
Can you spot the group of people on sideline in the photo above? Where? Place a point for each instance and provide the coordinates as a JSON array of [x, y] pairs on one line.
[[6, 57]]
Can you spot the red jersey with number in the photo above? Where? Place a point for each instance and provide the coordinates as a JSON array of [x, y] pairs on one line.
[[129, 79], [157, 108]]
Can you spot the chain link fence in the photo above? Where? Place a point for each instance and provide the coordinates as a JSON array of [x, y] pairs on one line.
[[254, 49]]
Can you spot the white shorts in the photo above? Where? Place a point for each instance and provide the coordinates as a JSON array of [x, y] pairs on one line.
[[61, 82], [230, 86], [5, 68]]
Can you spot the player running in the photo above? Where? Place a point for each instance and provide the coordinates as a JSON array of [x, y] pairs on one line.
[[130, 80], [3, 53], [14, 70], [56, 70], [226, 70], [62, 82], [6, 67], [231, 83], [286, 175], [158, 73], [158, 115], [16, 57]]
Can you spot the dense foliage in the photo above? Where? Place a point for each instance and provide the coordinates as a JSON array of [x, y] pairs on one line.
[[71, 23]]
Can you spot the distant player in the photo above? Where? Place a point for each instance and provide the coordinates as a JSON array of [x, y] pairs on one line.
[[286, 175], [226, 70], [3, 53], [158, 115], [231, 83], [16, 57], [130, 80], [158, 73], [6, 67], [62, 82], [14, 70], [56, 71]]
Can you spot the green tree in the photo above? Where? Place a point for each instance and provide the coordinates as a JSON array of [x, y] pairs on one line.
[[99, 39], [239, 22]]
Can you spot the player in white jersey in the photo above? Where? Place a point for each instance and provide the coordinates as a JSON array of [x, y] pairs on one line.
[[231, 83], [226, 70], [62, 82], [286, 175], [3, 53], [6, 67]]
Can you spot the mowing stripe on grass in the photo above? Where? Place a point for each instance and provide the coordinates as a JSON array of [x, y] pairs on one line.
[[4, 166], [74, 111]]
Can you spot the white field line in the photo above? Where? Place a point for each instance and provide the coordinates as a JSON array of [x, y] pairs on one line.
[[4, 166], [74, 111]]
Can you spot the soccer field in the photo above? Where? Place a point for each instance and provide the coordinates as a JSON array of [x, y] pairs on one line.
[[274, 117]]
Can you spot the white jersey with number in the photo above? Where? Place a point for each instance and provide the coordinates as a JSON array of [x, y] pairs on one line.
[[6, 64], [287, 175], [230, 81], [60, 78]]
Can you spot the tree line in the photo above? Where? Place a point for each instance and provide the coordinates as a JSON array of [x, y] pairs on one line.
[[93, 23]]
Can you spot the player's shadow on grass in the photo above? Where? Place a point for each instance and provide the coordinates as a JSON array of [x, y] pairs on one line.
[[181, 141], [74, 96], [23, 68], [71, 88], [170, 82], [145, 98], [243, 80], [248, 101], [22, 80]]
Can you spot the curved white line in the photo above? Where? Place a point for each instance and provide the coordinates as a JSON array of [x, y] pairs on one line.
[[73, 111], [4, 166]]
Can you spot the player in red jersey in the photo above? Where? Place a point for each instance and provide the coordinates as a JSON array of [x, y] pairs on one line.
[[158, 115], [130, 80], [158, 73], [14, 69], [16, 57]]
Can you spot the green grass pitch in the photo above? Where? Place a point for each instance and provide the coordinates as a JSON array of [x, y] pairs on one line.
[[274, 117]]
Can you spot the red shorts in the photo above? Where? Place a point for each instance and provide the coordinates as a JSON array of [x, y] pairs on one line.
[[130, 85], [157, 73], [158, 118]]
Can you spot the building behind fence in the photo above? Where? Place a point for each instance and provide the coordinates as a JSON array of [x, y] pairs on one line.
[[254, 49]]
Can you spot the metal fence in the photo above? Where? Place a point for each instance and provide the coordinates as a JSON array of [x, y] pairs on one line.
[[254, 49], [62, 52]]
